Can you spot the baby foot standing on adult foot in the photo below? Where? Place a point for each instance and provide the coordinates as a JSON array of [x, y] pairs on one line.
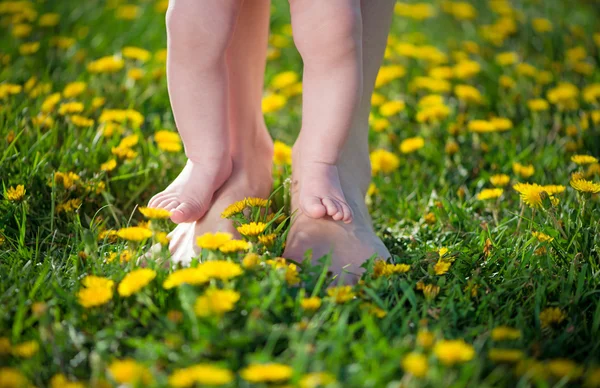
[[320, 191], [189, 196]]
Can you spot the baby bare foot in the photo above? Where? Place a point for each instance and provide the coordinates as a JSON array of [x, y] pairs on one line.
[[189, 196], [350, 244], [320, 192]]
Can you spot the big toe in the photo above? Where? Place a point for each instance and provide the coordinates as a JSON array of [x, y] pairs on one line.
[[313, 207], [187, 212]]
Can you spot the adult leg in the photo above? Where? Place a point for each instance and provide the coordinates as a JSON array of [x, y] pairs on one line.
[[351, 244]]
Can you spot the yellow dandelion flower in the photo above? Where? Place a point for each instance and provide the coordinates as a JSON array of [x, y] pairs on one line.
[[415, 364], [192, 276], [391, 108], [505, 333], [234, 246], [284, 79], [430, 291], [441, 267], [213, 241], [109, 165], [136, 53], [541, 25], [505, 355], [94, 296], [531, 194], [74, 89], [252, 229], [216, 302], [29, 48], [70, 107], [524, 171], [383, 161], [585, 186], [486, 194], [451, 352], [554, 189], [538, 105], [412, 144], [108, 64], [26, 349], [583, 159], [499, 180], [552, 316], [234, 209], [129, 371], [220, 269], [267, 239], [135, 281], [11, 377], [273, 102], [127, 12], [91, 281], [468, 94], [251, 260], [317, 379], [282, 154], [341, 294], [542, 237], [564, 368], [203, 374], [507, 58], [481, 126], [311, 304], [81, 121], [154, 213], [425, 339], [266, 373], [134, 233], [15, 193]]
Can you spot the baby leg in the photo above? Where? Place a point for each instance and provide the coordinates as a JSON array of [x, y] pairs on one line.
[[198, 33], [328, 35]]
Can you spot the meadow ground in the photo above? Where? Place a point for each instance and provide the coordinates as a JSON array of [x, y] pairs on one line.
[[485, 130]]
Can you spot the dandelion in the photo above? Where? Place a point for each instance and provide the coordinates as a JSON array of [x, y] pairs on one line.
[[583, 159], [554, 189], [531, 194], [192, 276], [538, 105], [499, 180], [341, 294], [129, 371], [94, 296], [234, 209], [109, 64], [383, 161], [251, 260], [134, 233], [311, 304], [266, 373], [585, 186], [524, 171], [213, 241], [268, 239], [11, 377], [541, 25], [216, 302], [273, 103], [135, 281], [415, 364], [26, 349], [451, 352], [136, 53], [284, 79], [317, 379], [154, 213], [562, 368], [504, 333], [441, 267], [542, 237], [251, 229], [220, 269], [412, 144], [505, 355], [70, 107], [391, 108], [204, 374], [486, 194], [282, 154], [234, 246], [551, 316], [127, 12], [468, 94], [425, 339], [15, 194]]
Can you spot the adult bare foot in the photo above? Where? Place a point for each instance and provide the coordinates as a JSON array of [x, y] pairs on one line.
[[351, 244], [249, 178]]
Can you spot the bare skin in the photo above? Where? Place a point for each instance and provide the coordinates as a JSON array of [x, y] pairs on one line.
[[350, 243]]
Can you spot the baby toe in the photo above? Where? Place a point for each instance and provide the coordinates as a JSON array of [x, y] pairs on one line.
[[186, 212], [331, 206], [313, 207], [348, 215]]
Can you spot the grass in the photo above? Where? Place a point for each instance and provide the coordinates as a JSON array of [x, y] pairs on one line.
[[500, 273]]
